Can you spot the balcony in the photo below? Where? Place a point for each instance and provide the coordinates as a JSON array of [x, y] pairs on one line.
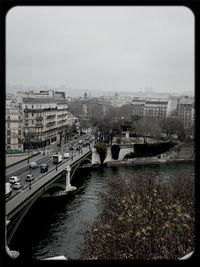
[[39, 125], [39, 118], [51, 116], [50, 123]]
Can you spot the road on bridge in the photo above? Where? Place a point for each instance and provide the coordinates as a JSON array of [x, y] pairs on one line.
[[48, 159]]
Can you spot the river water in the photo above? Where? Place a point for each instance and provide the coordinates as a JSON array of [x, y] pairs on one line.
[[55, 226]]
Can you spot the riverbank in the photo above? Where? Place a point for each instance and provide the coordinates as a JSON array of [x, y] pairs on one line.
[[186, 154]]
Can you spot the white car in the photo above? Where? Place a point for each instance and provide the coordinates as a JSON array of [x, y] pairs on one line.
[[33, 165], [14, 179], [66, 155]]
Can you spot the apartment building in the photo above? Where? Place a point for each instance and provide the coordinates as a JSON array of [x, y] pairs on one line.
[[44, 114], [181, 107], [186, 111], [138, 106], [149, 107], [155, 107], [14, 127]]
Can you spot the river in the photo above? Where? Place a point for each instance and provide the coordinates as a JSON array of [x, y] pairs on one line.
[[55, 226]]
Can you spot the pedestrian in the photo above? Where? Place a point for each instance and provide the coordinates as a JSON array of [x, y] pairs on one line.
[[56, 167], [30, 185]]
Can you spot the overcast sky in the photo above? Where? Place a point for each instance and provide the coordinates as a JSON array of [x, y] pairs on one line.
[[107, 48]]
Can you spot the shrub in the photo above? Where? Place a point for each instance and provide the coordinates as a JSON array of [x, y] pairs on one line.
[[143, 219], [102, 151], [145, 150], [115, 151]]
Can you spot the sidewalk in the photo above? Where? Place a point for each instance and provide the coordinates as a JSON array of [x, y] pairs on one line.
[[186, 152]]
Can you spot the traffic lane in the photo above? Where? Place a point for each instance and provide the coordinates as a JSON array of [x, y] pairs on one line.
[[37, 174], [25, 168], [21, 170]]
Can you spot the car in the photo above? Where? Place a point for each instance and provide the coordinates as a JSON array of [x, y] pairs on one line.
[[17, 185], [66, 155], [84, 144], [33, 165], [80, 141], [87, 138], [78, 148], [44, 167], [71, 148], [8, 189], [14, 179], [30, 177]]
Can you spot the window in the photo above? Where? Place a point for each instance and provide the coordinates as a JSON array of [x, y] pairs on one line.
[[26, 122], [8, 118], [32, 122], [32, 114], [20, 117], [8, 125], [19, 132], [32, 106], [26, 115], [8, 140], [8, 132]]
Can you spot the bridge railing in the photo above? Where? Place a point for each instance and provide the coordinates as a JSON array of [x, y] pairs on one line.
[[39, 186]]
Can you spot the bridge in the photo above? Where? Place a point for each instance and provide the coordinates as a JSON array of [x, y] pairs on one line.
[[58, 178]]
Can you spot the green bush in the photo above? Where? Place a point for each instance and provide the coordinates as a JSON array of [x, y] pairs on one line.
[[143, 219], [115, 151]]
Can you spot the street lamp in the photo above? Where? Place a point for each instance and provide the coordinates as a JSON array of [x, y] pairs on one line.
[[28, 151]]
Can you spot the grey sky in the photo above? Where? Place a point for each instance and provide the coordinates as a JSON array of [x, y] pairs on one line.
[[109, 48]]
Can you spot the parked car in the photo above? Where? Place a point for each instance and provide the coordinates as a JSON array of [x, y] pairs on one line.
[[71, 148], [33, 165], [14, 179], [84, 144], [8, 189], [30, 177], [66, 155], [44, 167], [80, 141], [78, 148], [17, 185]]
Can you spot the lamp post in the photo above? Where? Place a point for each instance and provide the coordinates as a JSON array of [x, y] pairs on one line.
[[28, 150]]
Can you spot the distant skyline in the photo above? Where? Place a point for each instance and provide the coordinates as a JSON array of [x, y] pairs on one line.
[[101, 48]]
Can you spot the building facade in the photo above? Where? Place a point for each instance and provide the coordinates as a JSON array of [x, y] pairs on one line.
[[14, 128], [42, 115], [186, 111]]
